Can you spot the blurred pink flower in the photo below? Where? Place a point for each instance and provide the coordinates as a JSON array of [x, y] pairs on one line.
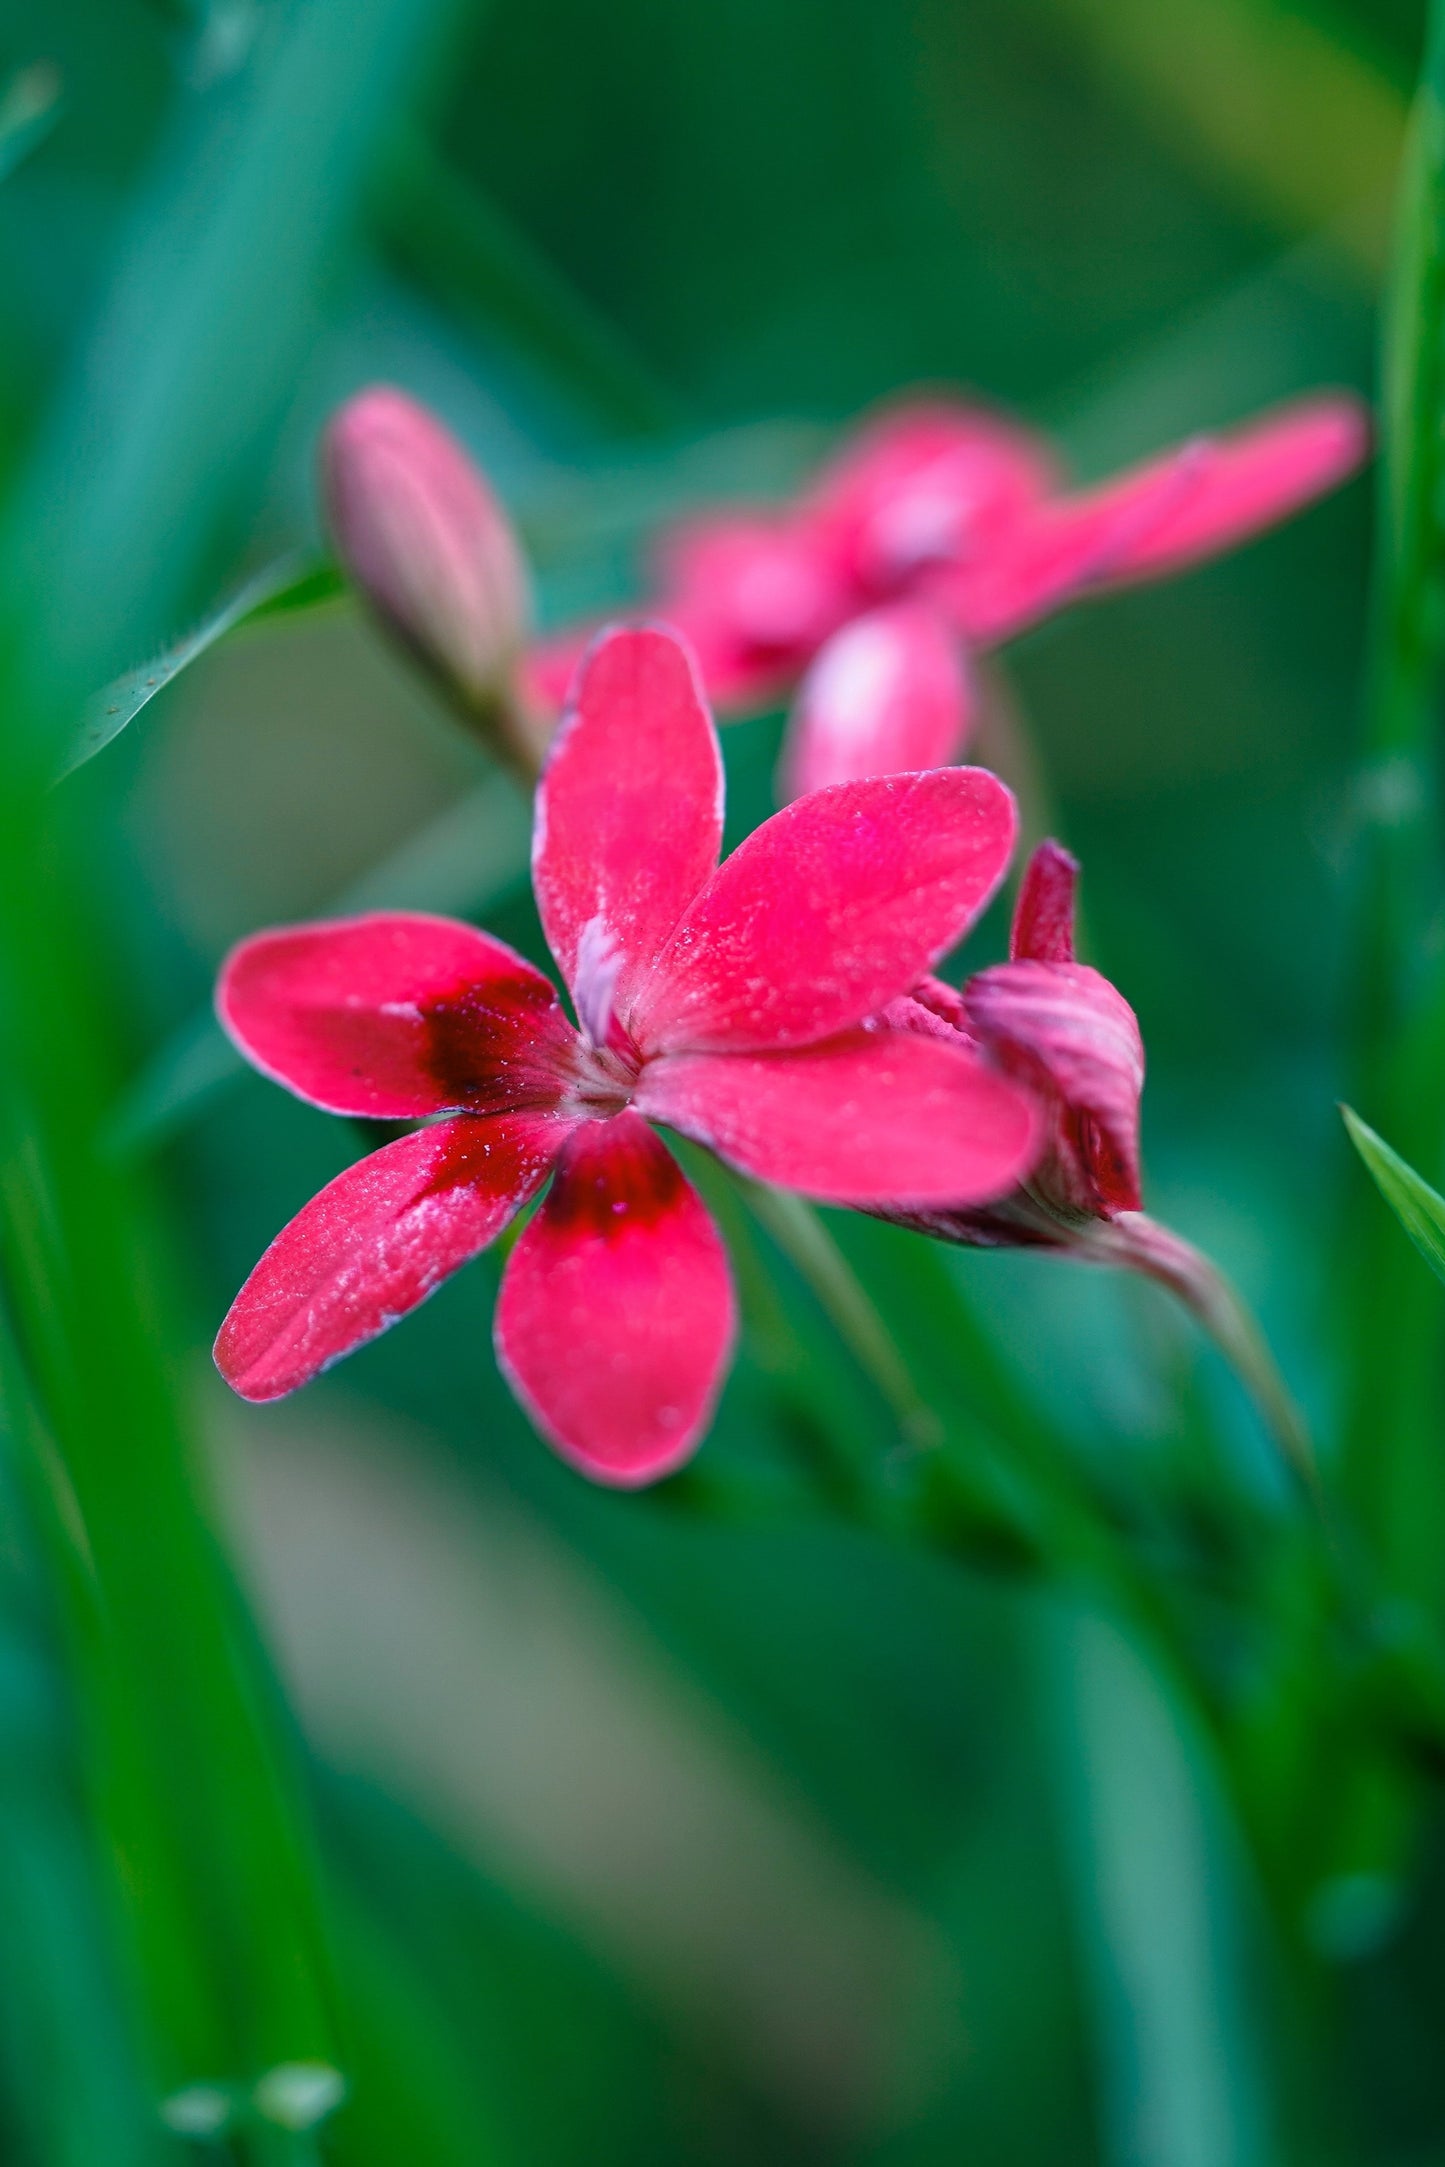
[[947, 506], [737, 1003]]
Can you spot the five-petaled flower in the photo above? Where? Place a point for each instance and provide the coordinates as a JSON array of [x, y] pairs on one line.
[[738, 1004], [963, 516]]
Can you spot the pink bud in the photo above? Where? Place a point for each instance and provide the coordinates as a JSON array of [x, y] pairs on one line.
[[421, 533]]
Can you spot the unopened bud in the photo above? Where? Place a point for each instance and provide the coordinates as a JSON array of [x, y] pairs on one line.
[[421, 533]]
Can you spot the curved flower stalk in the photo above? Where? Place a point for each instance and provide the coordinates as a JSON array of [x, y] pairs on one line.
[[737, 1004], [1061, 1029], [951, 508], [426, 542]]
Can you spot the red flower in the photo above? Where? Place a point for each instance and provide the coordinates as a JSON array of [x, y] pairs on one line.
[[738, 1004], [1062, 1030], [949, 506]]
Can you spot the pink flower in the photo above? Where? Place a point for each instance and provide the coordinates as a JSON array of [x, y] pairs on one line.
[[426, 542], [1062, 1030], [946, 505], [738, 1004]]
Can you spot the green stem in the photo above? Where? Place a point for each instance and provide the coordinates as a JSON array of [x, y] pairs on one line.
[[1141, 1244], [804, 1239]]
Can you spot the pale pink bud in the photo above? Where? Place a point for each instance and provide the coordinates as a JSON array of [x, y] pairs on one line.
[[429, 546]]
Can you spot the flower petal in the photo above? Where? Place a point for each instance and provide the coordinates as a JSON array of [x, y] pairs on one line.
[[616, 1316], [1246, 480], [873, 1117], [1043, 927], [888, 693], [1064, 1028], [924, 482], [395, 1015], [1190, 503], [829, 910], [376, 1241], [629, 808], [762, 576]]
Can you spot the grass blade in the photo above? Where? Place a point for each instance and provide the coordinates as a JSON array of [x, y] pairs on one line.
[[292, 583], [1419, 1208]]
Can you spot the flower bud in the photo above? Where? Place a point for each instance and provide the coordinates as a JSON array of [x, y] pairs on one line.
[[420, 532]]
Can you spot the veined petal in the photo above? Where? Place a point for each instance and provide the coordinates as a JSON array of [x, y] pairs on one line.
[[629, 810], [888, 693], [395, 1015], [377, 1241], [616, 1316], [1067, 1030], [828, 911], [874, 1117]]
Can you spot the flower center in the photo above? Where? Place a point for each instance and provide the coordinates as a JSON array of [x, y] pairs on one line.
[[602, 1081]]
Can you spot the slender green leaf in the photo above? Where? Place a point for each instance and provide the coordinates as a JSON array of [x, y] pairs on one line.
[[1419, 1208], [290, 584]]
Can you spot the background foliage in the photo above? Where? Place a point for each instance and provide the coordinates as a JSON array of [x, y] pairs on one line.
[[725, 1824]]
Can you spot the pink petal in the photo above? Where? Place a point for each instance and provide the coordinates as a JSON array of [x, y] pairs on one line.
[[1190, 503], [395, 1015], [1063, 550], [1043, 927], [873, 1117], [1247, 480], [616, 1317], [1063, 1028], [629, 812], [375, 1242], [760, 576], [888, 693], [925, 482], [829, 910]]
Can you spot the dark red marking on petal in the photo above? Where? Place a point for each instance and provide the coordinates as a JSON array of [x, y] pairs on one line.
[[375, 1242], [616, 1316], [395, 1015]]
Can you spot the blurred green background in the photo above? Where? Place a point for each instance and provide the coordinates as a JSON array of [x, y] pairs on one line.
[[650, 1835]]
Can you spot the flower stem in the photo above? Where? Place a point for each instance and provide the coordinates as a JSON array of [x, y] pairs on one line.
[[801, 1235], [1141, 1243]]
